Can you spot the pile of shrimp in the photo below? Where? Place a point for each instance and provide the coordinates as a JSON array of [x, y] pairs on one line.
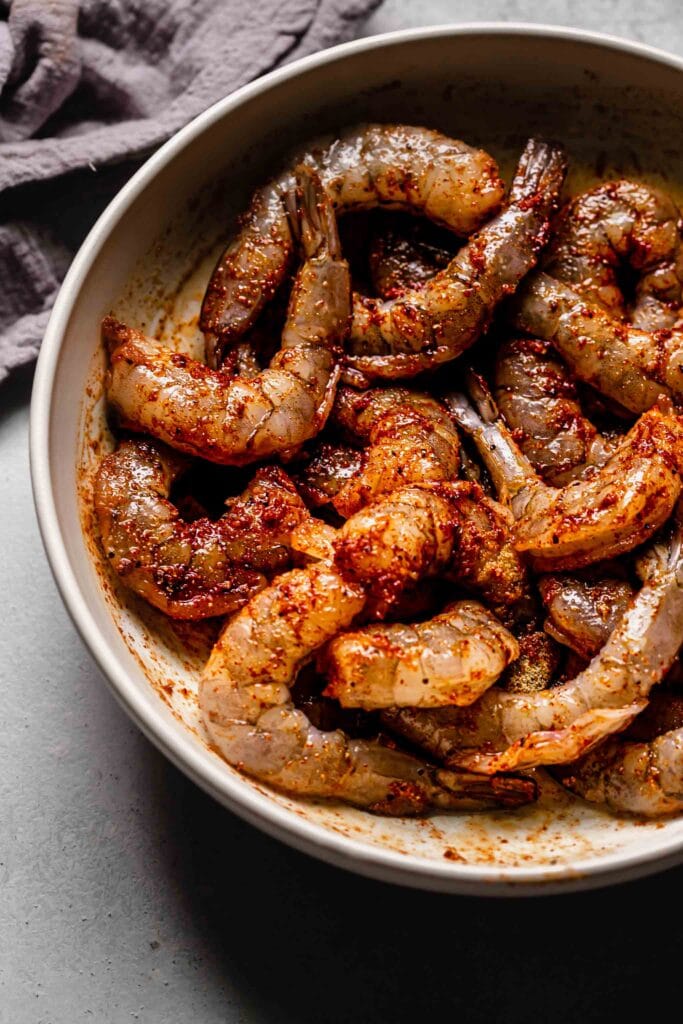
[[451, 555]]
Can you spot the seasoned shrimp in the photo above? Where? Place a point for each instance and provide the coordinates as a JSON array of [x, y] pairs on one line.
[[633, 778], [423, 328], [612, 511], [409, 438], [538, 401], [234, 420], [406, 535], [558, 725], [327, 472], [448, 529], [615, 224], [450, 659], [393, 166], [248, 711], [631, 366], [583, 611], [190, 570]]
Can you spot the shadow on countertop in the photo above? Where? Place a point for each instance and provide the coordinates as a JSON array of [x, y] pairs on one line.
[[313, 943]]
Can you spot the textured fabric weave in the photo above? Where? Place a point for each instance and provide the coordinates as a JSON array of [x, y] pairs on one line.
[[89, 88]]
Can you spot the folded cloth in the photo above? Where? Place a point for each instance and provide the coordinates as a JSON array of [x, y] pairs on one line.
[[88, 84]]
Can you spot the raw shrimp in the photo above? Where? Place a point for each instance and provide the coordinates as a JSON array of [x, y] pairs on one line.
[[409, 438], [558, 725], [234, 420], [448, 529], [436, 323], [190, 570], [450, 659], [248, 711], [634, 778], [406, 535], [393, 166], [631, 366], [538, 401], [616, 224], [330, 468], [612, 511], [583, 611]]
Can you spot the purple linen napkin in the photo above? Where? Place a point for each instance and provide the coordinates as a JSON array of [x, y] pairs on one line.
[[88, 86]]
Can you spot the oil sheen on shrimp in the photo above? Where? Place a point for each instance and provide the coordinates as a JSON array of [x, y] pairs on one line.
[[424, 328], [632, 778], [538, 400], [618, 224], [237, 420], [248, 711], [583, 611], [392, 166], [450, 529], [612, 511], [190, 570], [631, 366], [450, 659], [506, 731], [408, 437]]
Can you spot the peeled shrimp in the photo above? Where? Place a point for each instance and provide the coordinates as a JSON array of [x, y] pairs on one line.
[[582, 612], [577, 303], [631, 366], [638, 772], [448, 529], [423, 328], [248, 711], [409, 438], [538, 401], [450, 659], [393, 166], [621, 223], [634, 778], [558, 725], [190, 570], [328, 471], [412, 534], [612, 511], [234, 420]]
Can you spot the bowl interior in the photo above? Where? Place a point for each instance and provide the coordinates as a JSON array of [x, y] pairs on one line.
[[148, 261]]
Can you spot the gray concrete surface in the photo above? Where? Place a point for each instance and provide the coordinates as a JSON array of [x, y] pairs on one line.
[[126, 894]]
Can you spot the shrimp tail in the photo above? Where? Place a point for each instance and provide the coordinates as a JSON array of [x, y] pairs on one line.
[[311, 217], [551, 746], [511, 472], [463, 412], [540, 172], [406, 786], [480, 393], [500, 791]]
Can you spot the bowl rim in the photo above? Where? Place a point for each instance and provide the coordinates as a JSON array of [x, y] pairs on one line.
[[203, 767]]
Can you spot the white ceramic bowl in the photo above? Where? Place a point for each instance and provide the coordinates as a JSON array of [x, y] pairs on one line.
[[617, 106]]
